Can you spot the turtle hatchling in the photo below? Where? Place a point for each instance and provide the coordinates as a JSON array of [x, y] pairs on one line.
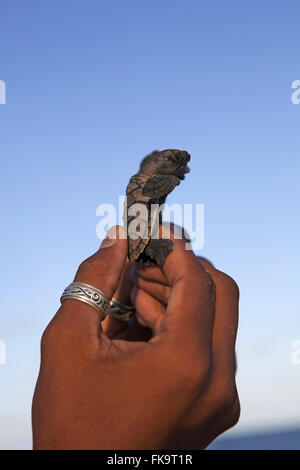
[[159, 173]]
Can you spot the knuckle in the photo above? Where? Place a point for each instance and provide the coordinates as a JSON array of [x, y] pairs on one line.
[[207, 279], [203, 279], [225, 406], [207, 285], [85, 265], [234, 287], [50, 336], [95, 260], [95, 271], [227, 281], [226, 397], [230, 284], [88, 265], [231, 418], [235, 412]]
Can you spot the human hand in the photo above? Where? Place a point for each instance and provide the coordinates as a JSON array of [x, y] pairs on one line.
[[95, 392], [127, 330], [217, 408]]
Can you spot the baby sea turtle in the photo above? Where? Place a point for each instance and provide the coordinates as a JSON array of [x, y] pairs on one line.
[[159, 173]]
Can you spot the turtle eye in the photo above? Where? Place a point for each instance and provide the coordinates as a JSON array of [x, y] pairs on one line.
[[175, 157]]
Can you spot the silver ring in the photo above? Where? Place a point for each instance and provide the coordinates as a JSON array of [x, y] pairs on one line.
[[89, 295], [120, 311]]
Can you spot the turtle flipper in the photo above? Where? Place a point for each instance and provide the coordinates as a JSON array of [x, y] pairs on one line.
[[157, 250], [160, 185]]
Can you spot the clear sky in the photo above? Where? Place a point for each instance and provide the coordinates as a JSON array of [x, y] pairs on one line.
[[93, 86]]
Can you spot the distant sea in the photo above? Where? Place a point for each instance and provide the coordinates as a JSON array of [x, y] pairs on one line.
[[279, 440]]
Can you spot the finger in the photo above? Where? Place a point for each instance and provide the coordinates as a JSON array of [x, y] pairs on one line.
[[101, 270], [151, 273], [111, 326], [154, 288], [122, 294], [135, 332], [190, 309], [226, 317], [150, 311], [139, 319], [156, 273]]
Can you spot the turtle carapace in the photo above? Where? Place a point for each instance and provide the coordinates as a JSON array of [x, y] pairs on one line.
[[159, 173]]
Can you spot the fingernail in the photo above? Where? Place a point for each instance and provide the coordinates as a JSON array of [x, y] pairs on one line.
[[112, 236], [110, 239]]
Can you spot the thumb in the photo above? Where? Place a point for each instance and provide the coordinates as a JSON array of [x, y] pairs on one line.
[[101, 270]]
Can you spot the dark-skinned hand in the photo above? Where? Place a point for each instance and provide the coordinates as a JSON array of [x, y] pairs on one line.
[[163, 381]]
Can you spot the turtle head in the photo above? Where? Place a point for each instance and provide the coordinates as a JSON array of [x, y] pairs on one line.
[[167, 162]]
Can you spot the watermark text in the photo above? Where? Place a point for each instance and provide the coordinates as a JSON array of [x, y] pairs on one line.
[[296, 94], [2, 353], [295, 356], [2, 92], [142, 221]]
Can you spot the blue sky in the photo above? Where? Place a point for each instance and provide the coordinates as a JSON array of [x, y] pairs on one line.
[[94, 86]]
